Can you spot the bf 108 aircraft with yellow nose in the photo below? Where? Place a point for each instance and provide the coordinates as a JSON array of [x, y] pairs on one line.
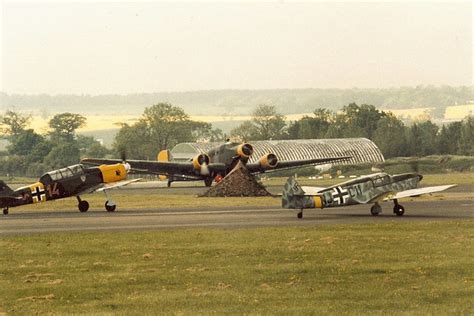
[[74, 180], [370, 189]]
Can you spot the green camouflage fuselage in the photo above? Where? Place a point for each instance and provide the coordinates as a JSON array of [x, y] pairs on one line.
[[368, 189]]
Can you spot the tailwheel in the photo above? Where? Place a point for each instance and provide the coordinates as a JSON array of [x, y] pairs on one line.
[[398, 210], [376, 209], [83, 206], [110, 206], [5, 211], [300, 214]]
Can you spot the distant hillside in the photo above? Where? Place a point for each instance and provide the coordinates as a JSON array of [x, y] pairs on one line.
[[242, 102]]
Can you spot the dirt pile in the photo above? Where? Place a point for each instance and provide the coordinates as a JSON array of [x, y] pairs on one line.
[[239, 182]]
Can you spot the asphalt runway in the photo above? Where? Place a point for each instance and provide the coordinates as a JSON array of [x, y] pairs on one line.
[[232, 217]]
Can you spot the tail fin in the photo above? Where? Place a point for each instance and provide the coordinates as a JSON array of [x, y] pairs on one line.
[[164, 155], [5, 190], [293, 195]]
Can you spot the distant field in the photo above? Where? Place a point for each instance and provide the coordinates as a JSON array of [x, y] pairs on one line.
[[391, 268]]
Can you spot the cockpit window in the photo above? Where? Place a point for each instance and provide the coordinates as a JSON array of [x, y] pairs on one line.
[[381, 181], [64, 173]]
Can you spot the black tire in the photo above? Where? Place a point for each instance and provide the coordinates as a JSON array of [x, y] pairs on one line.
[[300, 214], [375, 210], [110, 208], [169, 184], [83, 206], [399, 210], [5, 211]]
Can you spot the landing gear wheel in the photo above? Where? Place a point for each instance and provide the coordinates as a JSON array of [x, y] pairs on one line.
[[398, 210], [208, 182], [5, 211], [169, 184], [376, 209], [300, 214], [110, 206], [83, 206]]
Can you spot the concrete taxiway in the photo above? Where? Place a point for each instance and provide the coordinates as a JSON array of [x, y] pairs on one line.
[[232, 217]]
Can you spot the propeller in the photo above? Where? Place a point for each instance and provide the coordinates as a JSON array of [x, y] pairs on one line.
[[123, 157]]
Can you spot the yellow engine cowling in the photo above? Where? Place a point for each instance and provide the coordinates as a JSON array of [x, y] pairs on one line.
[[200, 160], [268, 161], [244, 150], [113, 173]]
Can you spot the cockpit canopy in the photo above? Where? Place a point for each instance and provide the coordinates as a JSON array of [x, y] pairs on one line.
[[63, 173]]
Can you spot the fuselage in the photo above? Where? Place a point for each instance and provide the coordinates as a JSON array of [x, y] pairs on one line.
[[363, 190], [61, 183]]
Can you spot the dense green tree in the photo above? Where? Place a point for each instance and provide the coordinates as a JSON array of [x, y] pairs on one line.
[[266, 124], [363, 119], [466, 142], [134, 142], [23, 143], [449, 138], [244, 131], [13, 123], [422, 139], [62, 155], [160, 127], [89, 147], [309, 127], [64, 125], [390, 136]]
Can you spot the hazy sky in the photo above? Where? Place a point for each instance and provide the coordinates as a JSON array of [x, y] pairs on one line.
[[104, 47]]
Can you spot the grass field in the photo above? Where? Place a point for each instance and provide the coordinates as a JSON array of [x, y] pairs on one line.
[[393, 268]]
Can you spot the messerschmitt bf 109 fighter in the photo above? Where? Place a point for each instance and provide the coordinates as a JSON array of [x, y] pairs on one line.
[[213, 165], [371, 189], [74, 180]]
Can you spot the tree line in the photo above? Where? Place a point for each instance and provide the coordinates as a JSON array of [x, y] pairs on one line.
[[389, 133], [31, 154], [163, 125]]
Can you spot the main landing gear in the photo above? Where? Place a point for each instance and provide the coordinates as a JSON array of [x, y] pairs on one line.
[[83, 205], [5, 211], [398, 209], [376, 209]]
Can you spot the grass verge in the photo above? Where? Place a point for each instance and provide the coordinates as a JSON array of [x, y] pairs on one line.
[[394, 268]]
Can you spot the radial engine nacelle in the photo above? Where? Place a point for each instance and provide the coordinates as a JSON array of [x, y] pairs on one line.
[[244, 150], [268, 161], [200, 163]]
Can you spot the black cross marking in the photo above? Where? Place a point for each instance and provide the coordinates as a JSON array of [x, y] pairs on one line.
[[338, 194], [37, 193]]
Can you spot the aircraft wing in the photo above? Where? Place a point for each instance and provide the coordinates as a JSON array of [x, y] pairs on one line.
[[420, 191], [257, 168], [114, 185], [184, 169]]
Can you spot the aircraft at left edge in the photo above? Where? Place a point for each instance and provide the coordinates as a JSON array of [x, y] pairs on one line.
[[74, 180]]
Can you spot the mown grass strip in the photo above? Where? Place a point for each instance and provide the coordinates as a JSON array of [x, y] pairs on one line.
[[395, 268]]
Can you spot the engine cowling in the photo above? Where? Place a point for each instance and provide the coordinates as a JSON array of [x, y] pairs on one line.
[[268, 161], [200, 163], [244, 150]]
